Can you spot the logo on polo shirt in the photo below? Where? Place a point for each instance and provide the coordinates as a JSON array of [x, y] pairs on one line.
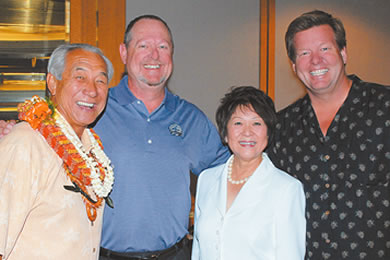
[[175, 130]]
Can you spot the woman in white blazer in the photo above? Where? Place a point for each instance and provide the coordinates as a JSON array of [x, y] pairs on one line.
[[247, 208]]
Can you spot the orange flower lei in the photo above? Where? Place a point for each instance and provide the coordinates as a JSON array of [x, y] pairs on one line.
[[38, 114]]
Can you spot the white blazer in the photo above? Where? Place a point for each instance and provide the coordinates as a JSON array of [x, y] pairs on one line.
[[265, 222]]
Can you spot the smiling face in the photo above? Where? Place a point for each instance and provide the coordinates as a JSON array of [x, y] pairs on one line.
[[148, 56], [81, 94], [247, 134], [319, 63]]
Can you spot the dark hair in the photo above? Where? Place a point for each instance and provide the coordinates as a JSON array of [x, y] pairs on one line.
[[131, 24], [309, 20], [247, 96]]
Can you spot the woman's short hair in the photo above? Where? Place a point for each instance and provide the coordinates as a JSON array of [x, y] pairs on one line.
[[309, 20], [246, 96]]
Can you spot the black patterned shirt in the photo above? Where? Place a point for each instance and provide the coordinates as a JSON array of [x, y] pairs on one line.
[[345, 173]]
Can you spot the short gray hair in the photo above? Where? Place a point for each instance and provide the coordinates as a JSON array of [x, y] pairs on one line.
[[57, 60]]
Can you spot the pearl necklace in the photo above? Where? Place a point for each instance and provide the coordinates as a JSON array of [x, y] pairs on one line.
[[101, 189], [229, 174]]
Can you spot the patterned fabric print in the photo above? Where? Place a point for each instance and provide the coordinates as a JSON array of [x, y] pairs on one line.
[[345, 173]]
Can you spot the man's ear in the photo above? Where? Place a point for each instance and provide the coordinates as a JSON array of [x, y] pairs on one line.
[[51, 83], [344, 55], [293, 67], [123, 52]]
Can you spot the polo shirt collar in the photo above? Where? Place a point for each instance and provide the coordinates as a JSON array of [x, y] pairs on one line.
[[124, 96]]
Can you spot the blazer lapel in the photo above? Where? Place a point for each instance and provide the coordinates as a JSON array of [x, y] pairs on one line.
[[218, 190], [252, 193]]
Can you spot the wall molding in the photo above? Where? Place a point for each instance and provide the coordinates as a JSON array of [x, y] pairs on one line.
[[267, 47]]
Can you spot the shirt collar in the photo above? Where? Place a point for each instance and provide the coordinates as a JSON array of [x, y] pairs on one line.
[[305, 106], [124, 96], [121, 93], [353, 92]]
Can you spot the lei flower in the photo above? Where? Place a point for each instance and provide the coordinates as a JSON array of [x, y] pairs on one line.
[[87, 171]]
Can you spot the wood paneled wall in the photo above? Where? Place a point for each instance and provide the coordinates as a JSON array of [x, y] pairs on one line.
[[100, 23]]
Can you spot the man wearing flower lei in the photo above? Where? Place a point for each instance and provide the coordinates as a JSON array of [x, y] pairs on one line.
[[54, 175]]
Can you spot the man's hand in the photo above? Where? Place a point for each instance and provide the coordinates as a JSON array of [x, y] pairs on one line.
[[5, 128]]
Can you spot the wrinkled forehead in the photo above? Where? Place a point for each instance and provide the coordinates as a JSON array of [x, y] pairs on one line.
[[81, 59]]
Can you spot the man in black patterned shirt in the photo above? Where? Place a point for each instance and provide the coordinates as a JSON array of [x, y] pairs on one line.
[[336, 141]]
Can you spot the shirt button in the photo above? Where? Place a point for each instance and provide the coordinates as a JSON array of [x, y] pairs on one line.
[[94, 250], [138, 102], [327, 157], [149, 141], [148, 119], [327, 185]]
